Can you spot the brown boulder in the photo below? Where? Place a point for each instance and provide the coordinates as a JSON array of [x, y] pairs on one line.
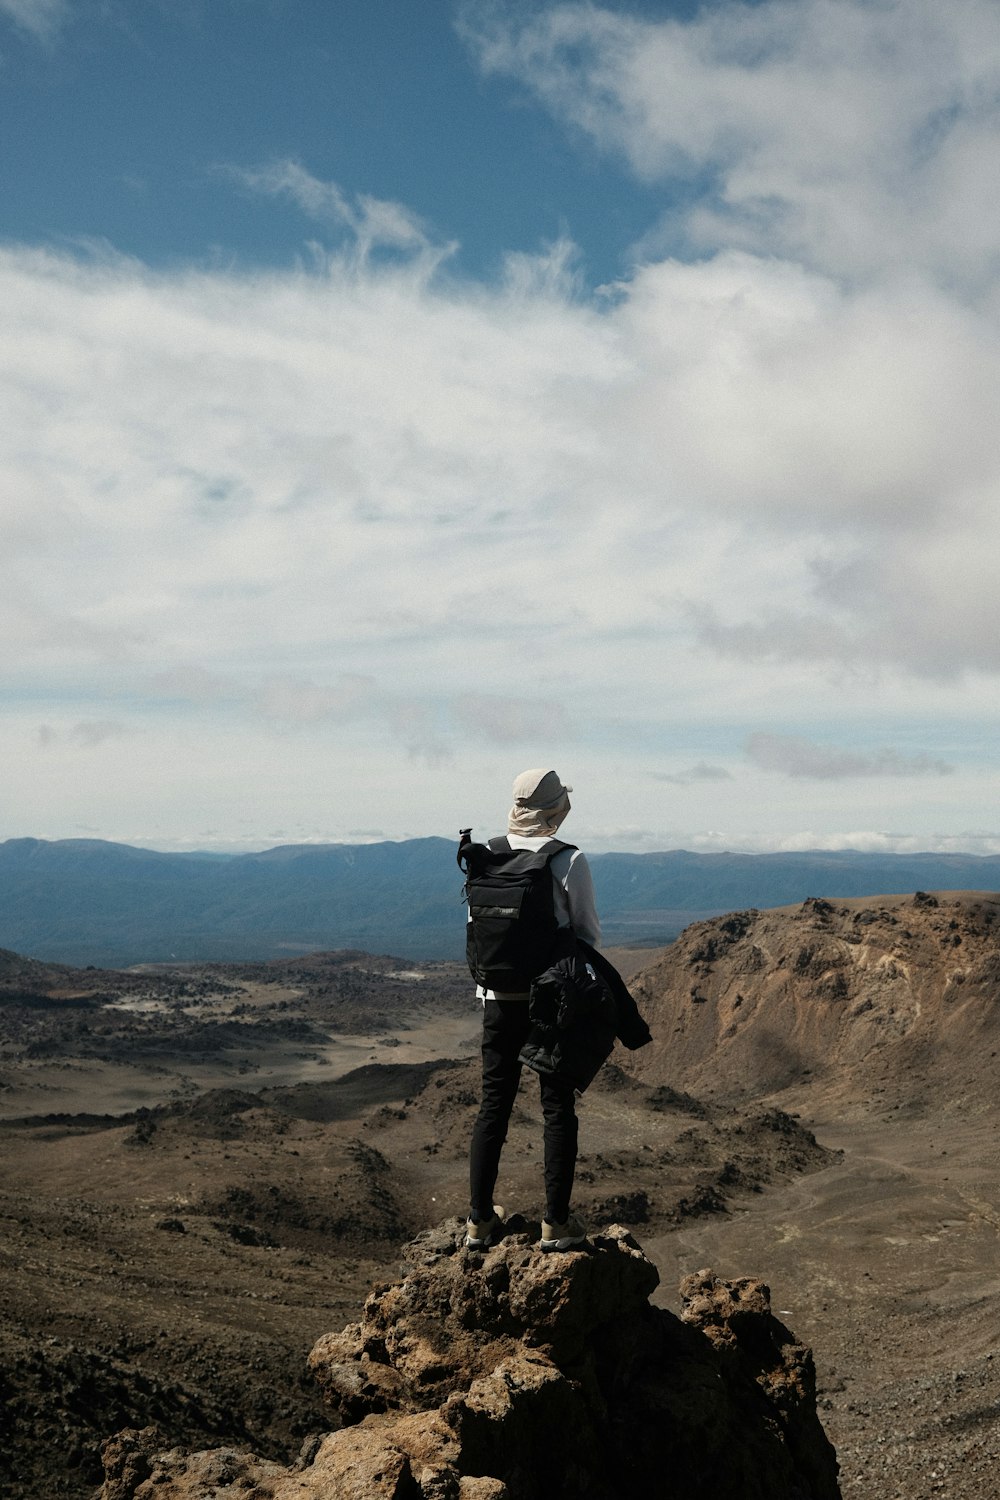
[[135, 1470], [515, 1375]]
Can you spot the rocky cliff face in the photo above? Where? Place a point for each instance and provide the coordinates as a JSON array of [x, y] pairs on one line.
[[841, 1000], [517, 1375]]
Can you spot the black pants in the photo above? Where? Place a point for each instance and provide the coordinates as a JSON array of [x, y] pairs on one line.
[[505, 1030]]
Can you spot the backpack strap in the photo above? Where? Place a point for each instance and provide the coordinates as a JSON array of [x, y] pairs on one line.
[[502, 845]]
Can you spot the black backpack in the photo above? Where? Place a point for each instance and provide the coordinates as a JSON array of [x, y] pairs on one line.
[[513, 934]]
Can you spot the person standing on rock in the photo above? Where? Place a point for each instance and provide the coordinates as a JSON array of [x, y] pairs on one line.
[[550, 885]]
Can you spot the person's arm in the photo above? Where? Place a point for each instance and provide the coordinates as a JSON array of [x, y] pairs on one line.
[[579, 888]]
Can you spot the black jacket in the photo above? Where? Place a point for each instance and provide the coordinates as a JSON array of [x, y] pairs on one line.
[[631, 1030], [578, 1007]]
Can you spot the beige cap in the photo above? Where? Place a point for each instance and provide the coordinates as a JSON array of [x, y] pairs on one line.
[[539, 788]]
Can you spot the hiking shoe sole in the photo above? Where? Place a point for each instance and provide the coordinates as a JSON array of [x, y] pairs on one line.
[[483, 1234], [563, 1236]]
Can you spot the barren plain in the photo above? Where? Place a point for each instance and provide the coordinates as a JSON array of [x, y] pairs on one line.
[[205, 1169]]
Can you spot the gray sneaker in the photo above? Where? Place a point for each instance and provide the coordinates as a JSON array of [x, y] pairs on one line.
[[563, 1236], [480, 1234]]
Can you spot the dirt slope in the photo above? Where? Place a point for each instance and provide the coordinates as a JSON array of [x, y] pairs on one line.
[[833, 1004]]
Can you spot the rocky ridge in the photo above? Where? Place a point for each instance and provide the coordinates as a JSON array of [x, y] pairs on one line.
[[837, 1003], [516, 1375]]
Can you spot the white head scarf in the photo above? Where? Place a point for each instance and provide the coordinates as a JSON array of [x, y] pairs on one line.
[[541, 802]]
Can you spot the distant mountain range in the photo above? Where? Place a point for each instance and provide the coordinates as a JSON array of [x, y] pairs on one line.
[[84, 901]]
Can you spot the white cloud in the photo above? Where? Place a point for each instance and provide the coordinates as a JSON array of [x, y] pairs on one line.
[[699, 772], [40, 18], [507, 721], [372, 223], [794, 756], [287, 700], [88, 734], [321, 521], [93, 732], [855, 135], [868, 841], [462, 493], [190, 683]]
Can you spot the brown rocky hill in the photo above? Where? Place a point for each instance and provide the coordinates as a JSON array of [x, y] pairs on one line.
[[833, 1003], [203, 1170], [518, 1375]]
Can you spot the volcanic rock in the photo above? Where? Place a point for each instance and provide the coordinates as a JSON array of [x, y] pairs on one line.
[[517, 1374], [838, 1000]]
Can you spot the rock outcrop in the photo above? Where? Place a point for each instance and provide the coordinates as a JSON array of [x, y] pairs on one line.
[[517, 1375], [835, 1002]]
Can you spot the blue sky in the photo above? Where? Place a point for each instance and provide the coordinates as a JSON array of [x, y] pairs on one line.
[[127, 124], [398, 395]]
